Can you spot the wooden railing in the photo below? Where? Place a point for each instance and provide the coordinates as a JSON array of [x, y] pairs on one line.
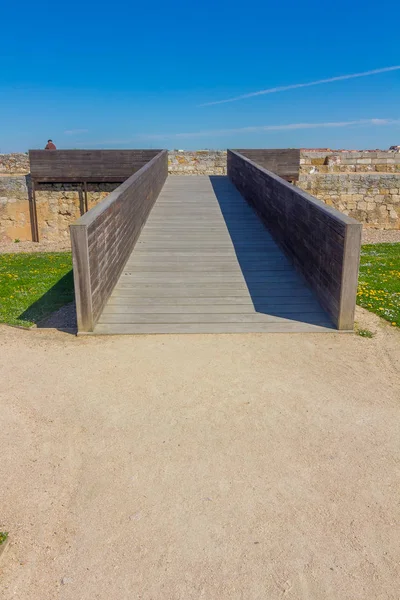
[[87, 165], [323, 243], [283, 162], [103, 238]]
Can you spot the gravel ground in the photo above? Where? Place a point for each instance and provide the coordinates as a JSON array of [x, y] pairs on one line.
[[221, 467], [12, 247], [379, 236]]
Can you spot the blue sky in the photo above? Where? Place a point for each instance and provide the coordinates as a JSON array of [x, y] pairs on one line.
[[128, 74]]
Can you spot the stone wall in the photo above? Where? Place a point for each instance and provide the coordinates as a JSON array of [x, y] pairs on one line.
[[14, 164], [15, 221], [58, 205], [364, 185], [201, 162]]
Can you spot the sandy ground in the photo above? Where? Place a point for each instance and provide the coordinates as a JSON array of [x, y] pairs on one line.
[[251, 467], [13, 247], [378, 236]]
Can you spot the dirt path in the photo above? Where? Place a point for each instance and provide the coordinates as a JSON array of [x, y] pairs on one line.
[[246, 467], [18, 247]]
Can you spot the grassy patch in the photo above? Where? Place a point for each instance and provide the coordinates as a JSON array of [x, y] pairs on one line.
[[34, 285], [3, 536], [379, 281], [364, 333]]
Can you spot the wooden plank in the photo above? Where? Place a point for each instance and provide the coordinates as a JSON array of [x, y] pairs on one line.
[[207, 267], [349, 282], [176, 328], [87, 165], [33, 212], [177, 309], [202, 245], [82, 282], [141, 258], [317, 318], [214, 301], [282, 162], [209, 277], [200, 291]]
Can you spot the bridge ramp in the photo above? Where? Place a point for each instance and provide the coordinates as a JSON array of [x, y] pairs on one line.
[[205, 263]]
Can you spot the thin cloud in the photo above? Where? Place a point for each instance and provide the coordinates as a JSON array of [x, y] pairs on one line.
[[75, 131], [285, 88], [263, 128], [115, 142]]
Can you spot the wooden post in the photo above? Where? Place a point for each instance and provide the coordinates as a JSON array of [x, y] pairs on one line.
[[33, 213], [83, 291], [349, 282], [86, 197]]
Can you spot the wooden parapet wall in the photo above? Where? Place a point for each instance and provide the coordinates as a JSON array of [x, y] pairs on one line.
[[104, 237], [323, 243], [87, 165], [285, 162]]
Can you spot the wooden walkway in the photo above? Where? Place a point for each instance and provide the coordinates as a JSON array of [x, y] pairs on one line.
[[204, 263]]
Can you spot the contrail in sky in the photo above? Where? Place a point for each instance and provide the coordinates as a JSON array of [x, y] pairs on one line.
[[262, 128], [153, 137], [294, 86]]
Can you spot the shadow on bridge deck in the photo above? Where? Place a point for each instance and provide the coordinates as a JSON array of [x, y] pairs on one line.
[[275, 287]]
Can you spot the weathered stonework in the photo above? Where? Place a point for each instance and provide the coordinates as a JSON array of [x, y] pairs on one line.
[[14, 209], [201, 162], [14, 164], [58, 205], [367, 161], [364, 185], [374, 199]]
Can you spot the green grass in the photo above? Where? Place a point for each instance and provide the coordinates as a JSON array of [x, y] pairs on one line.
[[379, 281], [3, 536], [34, 285], [364, 332]]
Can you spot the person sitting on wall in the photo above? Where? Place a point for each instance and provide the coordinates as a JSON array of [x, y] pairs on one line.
[[50, 145]]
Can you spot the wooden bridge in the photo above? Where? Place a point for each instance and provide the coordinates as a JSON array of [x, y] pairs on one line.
[[248, 252]]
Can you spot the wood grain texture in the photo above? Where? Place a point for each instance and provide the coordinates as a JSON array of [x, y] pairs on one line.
[[87, 165], [322, 243], [104, 237], [204, 263], [282, 162], [81, 271]]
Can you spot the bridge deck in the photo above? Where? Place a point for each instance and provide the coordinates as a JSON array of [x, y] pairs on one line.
[[204, 263]]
